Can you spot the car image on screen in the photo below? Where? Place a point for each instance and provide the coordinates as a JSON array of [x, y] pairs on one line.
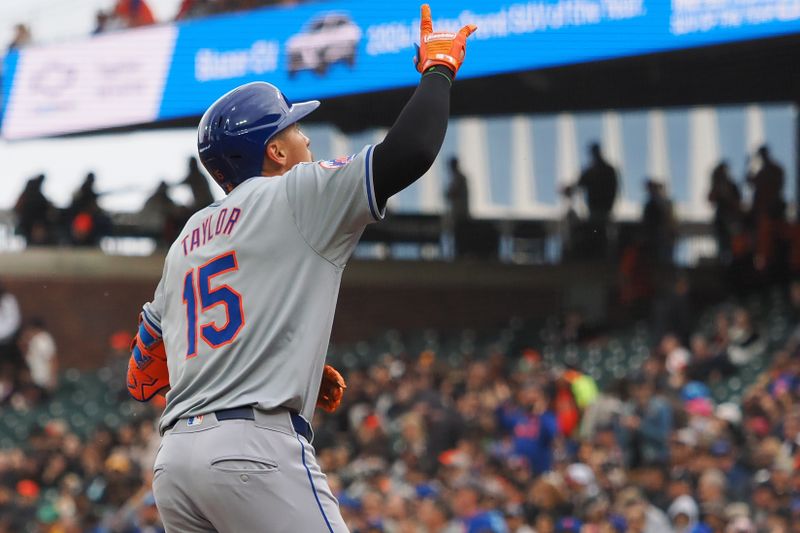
[[327, 39]]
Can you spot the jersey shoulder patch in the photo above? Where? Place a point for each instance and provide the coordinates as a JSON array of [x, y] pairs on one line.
[[339, 162]]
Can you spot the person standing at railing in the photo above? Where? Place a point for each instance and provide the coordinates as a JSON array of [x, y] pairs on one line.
[[197, 182], [658, 225], [727, 200], [34, 213], [457, 216], [767, 214], [86, 221], [600, 183]]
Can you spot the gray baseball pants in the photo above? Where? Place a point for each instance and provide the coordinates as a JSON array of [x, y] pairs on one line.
[[242, 476]]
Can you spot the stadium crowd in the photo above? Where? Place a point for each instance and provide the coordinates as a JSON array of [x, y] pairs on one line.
[[493, 440]]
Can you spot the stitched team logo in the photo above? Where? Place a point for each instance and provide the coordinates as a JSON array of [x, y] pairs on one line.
[[336, 163], [194, 420]]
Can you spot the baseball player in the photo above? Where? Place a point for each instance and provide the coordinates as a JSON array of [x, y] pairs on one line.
[[239, 326]]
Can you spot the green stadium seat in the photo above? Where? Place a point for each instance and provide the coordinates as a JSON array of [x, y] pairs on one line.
[[20, 433], [112, 420], [72, 375], [56, 409], [78, 420]]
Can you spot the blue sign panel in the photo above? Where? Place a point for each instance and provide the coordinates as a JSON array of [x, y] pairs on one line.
[[327, 49], [337, 48], [9, 67]]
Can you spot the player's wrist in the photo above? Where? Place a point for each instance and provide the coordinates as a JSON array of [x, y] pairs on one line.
[[441, 71]]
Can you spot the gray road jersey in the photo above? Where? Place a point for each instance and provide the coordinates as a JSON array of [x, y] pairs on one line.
[[246, 300]]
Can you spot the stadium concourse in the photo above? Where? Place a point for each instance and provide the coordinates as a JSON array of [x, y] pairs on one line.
[[533, 426]]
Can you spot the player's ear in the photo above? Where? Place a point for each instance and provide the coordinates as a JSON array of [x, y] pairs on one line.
[[275, 152]]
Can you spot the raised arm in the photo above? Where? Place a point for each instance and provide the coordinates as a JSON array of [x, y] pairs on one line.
[[414, 141]]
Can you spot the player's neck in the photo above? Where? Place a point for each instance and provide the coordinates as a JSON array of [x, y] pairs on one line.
[[273, 171]]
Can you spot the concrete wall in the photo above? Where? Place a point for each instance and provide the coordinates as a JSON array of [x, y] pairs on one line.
[[86, 297]]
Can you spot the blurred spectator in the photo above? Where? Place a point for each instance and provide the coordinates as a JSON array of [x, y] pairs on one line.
[[85, 198], [645, 425], [466, 503], [22, 37], [131, 14], [533, 425], [635, 277], [39, 350], [101, 22], [705, 365], [139, 514], [712, 487], [676, 360], [87, 222], [658, 225], [600, 183], [727, 200], [457, 216], [157, 217], [435, 515], [195, 9], [746, 343], [571, 228], [197, 182], [767, 183], [741, 524], [767, 213], [605, 411], [457, 193], [683, 513], [646, 263], [793, 342], [147, 518], [640, 515], [573, 328], [582, 386], [721, 336], [35, 213], [10, 322], [672, 308]]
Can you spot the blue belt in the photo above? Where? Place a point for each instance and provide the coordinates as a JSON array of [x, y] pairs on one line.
[[246, 413]]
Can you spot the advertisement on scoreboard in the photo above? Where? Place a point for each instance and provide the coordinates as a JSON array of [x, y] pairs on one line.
[[349, 47], [110, 80], [355, 47]]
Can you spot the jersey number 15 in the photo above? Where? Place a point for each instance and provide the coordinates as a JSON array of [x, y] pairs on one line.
[[223, 295]]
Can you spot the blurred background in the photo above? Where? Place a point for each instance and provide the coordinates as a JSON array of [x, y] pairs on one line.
[[584, 318]]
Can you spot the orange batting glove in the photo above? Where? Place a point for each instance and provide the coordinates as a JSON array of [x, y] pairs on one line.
[[438, 47], [331, 389]]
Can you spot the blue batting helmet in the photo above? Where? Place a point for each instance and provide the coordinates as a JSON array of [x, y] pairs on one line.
[[234, 131]]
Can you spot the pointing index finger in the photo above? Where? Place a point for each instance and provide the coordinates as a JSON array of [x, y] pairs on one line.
[[425, 23], [468, 30]]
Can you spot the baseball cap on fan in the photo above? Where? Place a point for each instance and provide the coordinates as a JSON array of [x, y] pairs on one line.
[[569, 524], [684, 505], [729, 412], [580, 474], [686, 436]]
